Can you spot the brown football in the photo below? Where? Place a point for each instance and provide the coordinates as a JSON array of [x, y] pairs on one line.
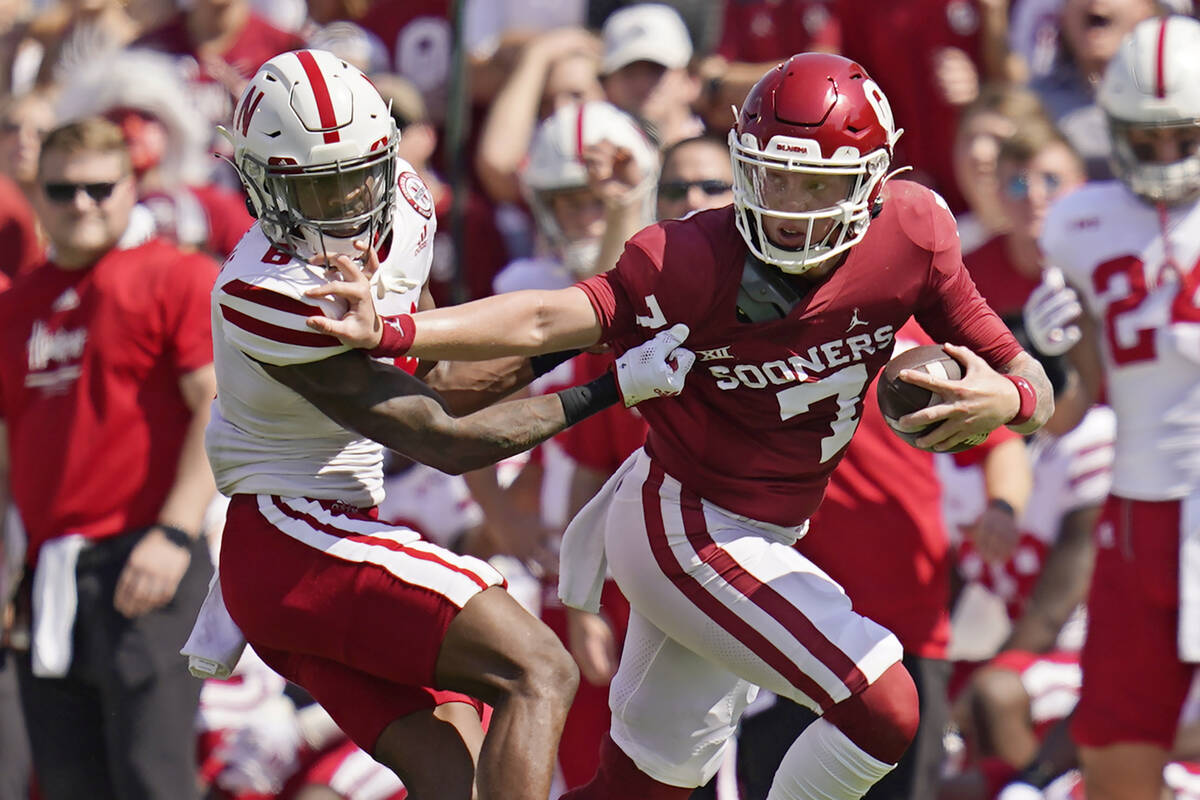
[[897, 397]]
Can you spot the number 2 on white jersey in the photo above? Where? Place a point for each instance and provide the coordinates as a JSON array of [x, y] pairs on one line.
[[847, 386]]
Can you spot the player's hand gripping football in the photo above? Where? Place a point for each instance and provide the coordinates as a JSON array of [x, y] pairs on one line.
[[1050, 313], [656, 368], [978, 403], [360, 326]]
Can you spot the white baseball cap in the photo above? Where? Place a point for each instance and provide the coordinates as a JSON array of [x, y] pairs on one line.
[[645, 32]]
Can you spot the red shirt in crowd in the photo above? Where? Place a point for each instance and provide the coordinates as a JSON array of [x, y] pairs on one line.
[[18, 230], [762, 30], [258, 41], [418, 38], [484, 253], [90, 362], [210, 217], [897, 44], [999, 281], [885, 498]]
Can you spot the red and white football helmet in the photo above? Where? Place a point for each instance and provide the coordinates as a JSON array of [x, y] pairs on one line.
[[315, 147], [555, 164], [819, 116], [1151, 91]]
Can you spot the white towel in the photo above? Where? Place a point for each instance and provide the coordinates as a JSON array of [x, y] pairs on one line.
[[582, 563], [55, 601], [1189, 578], [216, 642]]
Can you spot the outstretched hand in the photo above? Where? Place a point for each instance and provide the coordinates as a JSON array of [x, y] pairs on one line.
[[360, 326], [978, 403], [656, 368]]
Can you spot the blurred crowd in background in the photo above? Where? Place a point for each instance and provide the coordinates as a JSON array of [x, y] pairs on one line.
[[549, 131]]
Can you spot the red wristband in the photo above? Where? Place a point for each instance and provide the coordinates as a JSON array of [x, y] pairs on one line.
[[1028, 400], [398, 334]]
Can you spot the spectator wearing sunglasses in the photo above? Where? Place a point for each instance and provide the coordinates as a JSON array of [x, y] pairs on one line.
[[105, 383], [1034, 167], [696, 176]]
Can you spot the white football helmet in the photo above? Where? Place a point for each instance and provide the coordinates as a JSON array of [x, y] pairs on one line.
[[555, 164], [315, 147], [1152, 89]]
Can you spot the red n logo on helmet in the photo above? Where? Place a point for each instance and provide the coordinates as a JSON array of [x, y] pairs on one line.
[[246, 111]]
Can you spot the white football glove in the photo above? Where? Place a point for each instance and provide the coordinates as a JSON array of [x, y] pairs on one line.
[[656, 368], [260, 757], [1020, 791], [1050, 312]]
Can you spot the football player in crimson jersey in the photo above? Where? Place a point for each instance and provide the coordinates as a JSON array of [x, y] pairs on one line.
[[380, 626], [1128, 317], [793, 294]]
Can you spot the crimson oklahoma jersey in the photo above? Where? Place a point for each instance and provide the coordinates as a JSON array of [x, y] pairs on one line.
[[769, 407], [90, 362]]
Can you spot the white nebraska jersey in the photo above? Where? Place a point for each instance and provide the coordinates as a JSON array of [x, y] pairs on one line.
[[1110, 247], [263, 437]]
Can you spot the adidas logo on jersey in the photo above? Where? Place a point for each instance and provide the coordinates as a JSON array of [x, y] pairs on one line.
[[66, 301]]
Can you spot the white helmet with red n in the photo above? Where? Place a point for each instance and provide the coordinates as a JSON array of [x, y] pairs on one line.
[[1151, 95], [315, 147], [816, 117], [555, 164]]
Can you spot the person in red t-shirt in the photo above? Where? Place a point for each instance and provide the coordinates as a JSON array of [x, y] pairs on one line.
[[1035, 167], [755, 35], [927, 55], [105, 383], [222, 42], [18, 231], [792, 296]]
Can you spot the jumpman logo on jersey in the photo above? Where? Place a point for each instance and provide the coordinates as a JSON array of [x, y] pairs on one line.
[[855, 321]]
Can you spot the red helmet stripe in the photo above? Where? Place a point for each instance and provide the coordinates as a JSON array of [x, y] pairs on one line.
[[320, 94], [579, 133], [1160, 83]]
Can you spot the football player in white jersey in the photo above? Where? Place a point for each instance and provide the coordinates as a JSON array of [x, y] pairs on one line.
[[1130, 316], [382, 628]]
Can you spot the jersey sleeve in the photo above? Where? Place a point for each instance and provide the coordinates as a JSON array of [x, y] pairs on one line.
[[1089, 466], [266, 321], [645, 292], [188, 321], [951, 308]]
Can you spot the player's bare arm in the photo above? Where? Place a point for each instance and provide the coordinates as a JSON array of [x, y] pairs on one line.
[[1061, 586], [403, 413], [1086, 384], [979, 402], [516, 323]]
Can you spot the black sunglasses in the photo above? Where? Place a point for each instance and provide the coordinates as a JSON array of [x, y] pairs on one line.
[[677, 190], [67, 192]]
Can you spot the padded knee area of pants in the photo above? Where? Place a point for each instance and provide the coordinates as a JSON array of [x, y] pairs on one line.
[[882, 719]]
